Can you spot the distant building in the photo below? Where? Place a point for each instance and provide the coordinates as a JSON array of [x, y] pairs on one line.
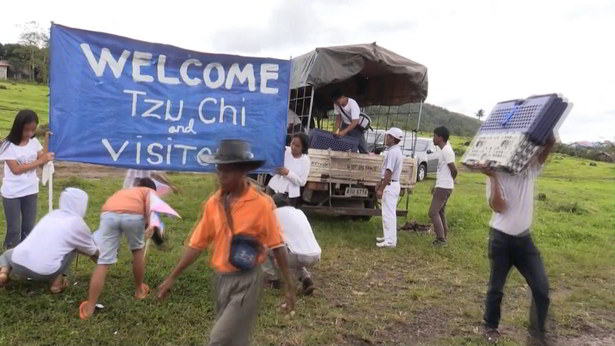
[[583, 144], [604, 156], [4, 69]]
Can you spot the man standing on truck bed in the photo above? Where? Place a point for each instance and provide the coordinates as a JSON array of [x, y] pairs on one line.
[[447, 172], [389, 187], [347, 119]]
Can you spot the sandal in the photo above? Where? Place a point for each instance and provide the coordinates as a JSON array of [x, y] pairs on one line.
[[140, 295], [83, 313], [61, 288]]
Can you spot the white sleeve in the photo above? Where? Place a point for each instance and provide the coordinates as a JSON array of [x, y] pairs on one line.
[[82, 239], [8, 153], [37, 145], [391, 162], [354, 110], [300, 177], [449, 156]]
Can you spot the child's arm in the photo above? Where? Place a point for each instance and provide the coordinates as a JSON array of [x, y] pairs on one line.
[[190, 255], [18, 169]]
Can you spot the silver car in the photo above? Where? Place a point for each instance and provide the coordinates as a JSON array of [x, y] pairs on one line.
[[424, 147]]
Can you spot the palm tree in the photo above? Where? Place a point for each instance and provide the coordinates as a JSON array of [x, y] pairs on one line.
[[480, 114]]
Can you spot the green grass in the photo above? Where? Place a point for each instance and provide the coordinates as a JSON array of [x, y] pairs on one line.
[[18, 96], [413, 294]]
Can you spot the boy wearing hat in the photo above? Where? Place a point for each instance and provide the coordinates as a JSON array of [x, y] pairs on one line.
[[389, 187], [240, 225]]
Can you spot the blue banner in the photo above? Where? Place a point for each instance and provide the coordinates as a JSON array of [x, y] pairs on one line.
[[127, 103]]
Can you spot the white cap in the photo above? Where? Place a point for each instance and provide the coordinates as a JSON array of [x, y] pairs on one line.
[[396, 133]]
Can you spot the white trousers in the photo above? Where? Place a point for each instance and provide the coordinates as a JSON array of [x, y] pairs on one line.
[[389, 212]]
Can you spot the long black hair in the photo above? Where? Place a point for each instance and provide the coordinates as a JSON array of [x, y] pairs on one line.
[[23, 117], [304, 142]]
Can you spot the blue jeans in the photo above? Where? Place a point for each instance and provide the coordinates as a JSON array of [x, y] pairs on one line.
[[506, 251]]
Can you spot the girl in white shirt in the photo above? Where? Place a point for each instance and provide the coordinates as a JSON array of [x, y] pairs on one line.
[[290, 178], [22, 154]]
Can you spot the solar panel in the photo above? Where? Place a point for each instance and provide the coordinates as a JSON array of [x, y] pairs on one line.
[[515, 132], [320, 139]]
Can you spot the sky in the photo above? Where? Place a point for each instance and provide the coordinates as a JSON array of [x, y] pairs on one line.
[[477, 52]]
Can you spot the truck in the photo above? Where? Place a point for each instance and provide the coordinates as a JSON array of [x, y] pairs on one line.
[[381, 81]]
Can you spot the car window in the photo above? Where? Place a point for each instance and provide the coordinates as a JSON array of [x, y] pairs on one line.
[[421, 145]]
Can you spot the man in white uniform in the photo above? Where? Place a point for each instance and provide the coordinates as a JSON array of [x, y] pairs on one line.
[[447, 172], [347, 115], [389, 186], [511, 197], [303, 249]]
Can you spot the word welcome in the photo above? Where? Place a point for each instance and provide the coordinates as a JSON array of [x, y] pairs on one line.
[[222, 78]]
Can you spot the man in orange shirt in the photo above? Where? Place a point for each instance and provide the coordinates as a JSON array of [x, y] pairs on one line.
[[239, 223]]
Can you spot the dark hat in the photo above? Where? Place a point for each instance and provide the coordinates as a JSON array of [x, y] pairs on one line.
[[233, 151]]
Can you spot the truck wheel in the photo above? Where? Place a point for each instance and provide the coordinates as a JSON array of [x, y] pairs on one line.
[[422, 172]]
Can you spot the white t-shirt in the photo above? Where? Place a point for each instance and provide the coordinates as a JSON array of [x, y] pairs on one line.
[[393, 161], [444, 178], [518, 192], [25, 184], [351, 109], [298, 171], [297, 231]]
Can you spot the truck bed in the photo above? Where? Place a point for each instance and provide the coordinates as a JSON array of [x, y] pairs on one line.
[[328, 166]]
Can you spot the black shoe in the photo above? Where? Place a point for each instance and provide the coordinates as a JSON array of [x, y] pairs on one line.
[[492, 335], [308, 286]]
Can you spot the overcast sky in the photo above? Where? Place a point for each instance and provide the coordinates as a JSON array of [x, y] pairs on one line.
[[477, 52]]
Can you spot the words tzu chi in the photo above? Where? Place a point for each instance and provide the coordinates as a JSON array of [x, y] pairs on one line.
[[193, 73]]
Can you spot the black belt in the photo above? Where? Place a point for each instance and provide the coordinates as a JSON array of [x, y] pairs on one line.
[[393, 181]]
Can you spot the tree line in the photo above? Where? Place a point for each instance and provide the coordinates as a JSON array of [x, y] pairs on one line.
[[29, 57]]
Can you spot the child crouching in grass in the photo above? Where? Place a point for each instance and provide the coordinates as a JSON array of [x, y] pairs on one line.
[[125, 212]]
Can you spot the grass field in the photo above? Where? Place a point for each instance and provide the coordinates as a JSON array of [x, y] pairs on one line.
[[413, 294]]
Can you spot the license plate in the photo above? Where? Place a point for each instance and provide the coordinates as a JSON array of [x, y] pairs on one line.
[[356, 192]]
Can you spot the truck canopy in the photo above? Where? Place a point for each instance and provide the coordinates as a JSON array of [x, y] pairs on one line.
[[370, 74]]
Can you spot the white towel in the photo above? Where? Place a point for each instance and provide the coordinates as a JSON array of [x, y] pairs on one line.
[[48, 170]]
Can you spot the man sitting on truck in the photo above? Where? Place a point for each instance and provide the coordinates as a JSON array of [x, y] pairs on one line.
[[347, 113]]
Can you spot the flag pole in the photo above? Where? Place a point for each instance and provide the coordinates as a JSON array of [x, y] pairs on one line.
[[50, 192]]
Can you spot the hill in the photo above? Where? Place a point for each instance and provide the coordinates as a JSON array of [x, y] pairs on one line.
[[432, 117]]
